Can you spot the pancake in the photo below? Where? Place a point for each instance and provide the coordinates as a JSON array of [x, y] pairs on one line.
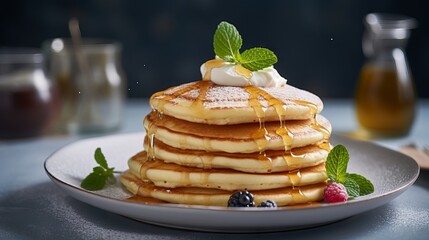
[[205, 141], [271, 161], [172, 176], [218, 197], [205, 102], [238, 138]]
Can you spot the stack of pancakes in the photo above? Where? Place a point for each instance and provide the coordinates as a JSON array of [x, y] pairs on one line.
[[206, 141]]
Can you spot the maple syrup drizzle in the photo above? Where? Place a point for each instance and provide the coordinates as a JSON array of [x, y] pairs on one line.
[[295, 177], [294, 159], [206, 161], [260, 136], [315, 125], [198, 105], [159, 109], [151, 133], [278, 105], [151, 148], [146, 166], [214, 63], [140, 199], [243, 72], [185, 178], [325, 145], [298, 196], [205, 178]]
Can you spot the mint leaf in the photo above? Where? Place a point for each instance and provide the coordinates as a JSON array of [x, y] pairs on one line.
[[110, 171], [352, 188], [336, 169], [336, 164], [94, 181], [365, 186], [100, 159], [227, 42], [100, 174], [256, 59], [99, 169], [111, 177]]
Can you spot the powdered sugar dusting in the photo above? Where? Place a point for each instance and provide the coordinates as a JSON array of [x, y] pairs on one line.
[[237, 97]]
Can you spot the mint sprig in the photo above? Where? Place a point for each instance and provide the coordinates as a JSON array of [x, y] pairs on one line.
[[336, 169], [257, 58], [100, 175], [227, 42]]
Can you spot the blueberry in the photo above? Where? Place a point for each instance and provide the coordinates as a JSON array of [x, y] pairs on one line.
[[241, 199], [268, 204]]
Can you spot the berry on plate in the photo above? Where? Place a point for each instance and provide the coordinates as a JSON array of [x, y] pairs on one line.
[[335, 192], [241, 199], [268, 204]]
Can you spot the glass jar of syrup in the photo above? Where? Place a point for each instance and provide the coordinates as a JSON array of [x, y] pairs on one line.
[[27, 97], [385, 94], [91, 84]]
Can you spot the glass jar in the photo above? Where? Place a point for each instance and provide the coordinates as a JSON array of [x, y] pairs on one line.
[[91, 84], [27, 97], [385, 94]]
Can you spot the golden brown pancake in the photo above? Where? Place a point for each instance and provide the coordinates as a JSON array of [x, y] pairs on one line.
[[205, 141], [238, 138], [205, 102], [270, 161], [172, 176], [218, 197]]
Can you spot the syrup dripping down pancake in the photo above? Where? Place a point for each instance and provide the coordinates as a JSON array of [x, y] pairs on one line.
[[205, 102], [219, 197], [270, 161], [172, 175], [271, 141], [238, 138]]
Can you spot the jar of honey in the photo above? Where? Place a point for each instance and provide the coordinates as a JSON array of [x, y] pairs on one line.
[[385, 94], [27, 96]]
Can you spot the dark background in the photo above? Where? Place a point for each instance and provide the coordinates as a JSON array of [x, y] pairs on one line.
[[318, 42]]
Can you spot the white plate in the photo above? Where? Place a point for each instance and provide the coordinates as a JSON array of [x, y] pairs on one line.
[[391, 173]]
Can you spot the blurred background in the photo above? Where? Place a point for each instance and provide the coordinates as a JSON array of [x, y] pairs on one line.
[[318, 43]]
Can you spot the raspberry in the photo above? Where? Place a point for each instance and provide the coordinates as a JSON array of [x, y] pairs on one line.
[[335, 192]]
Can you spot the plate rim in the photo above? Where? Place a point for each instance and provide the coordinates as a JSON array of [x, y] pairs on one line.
[[357, 201]]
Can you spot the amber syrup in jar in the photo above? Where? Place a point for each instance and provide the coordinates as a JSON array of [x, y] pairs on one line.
[[385, 94], [384, 104], [27, 98]]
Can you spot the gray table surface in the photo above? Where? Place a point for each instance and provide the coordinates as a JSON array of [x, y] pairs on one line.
[[32, 207]]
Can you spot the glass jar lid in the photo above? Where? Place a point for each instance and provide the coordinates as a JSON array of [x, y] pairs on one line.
[[20, 55], [390, 26]]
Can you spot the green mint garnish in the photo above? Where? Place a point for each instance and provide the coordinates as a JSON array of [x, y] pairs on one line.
[[256, 59], [336, 168], [352, 187], [365, 186], [100, 175], [336, 164], [227, 43]]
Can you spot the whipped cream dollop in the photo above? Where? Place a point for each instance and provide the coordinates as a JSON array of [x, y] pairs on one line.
[[230, 74]]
